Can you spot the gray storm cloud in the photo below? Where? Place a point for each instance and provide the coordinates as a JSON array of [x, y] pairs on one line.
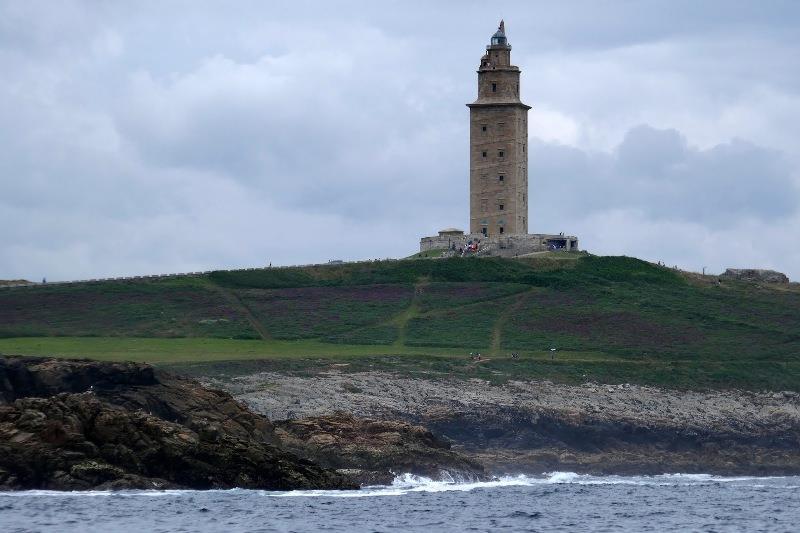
[[185, 136], [657, 172]]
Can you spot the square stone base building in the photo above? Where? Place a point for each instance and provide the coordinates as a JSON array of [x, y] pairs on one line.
[[498, 167]]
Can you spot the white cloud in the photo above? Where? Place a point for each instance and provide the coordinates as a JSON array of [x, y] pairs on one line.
[[182, 137], [553, 126], [692, 246]]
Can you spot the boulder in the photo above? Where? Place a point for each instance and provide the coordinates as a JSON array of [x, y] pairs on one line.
[[755, 275]]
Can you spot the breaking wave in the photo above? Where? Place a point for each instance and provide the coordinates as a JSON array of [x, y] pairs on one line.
[[557, 501], [409, 483]]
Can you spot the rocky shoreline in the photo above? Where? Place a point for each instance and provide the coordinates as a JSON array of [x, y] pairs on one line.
[[375, 451], [80, 425], [535, 427]]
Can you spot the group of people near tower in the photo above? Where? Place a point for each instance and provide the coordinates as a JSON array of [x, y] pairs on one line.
[[471, 247]]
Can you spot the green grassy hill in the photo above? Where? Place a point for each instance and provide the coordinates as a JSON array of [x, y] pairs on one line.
[[610, 319]]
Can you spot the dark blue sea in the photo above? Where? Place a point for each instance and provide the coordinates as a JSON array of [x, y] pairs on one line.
[[553, 502]]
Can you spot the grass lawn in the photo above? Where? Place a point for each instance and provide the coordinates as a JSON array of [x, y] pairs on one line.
[[315, 312], [198, 349], [612, 319], [216, 357], [172, 307]]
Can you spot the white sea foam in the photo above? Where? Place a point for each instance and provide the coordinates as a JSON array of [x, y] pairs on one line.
[[409, 484]]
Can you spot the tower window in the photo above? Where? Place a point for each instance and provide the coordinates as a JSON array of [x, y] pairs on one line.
[[501, 206], [501, 178], [483, 127], [501, 229], [494, 87], [500, 153], [483, 153]]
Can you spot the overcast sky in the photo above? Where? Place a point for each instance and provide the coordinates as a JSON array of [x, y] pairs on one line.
[[153, 137]]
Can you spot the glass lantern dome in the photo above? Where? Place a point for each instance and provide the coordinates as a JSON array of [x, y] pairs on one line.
[[499, 37]]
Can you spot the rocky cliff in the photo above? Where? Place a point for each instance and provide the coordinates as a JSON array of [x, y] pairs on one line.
[[375, 451], [532, 427], [72, 425], [80, 424]]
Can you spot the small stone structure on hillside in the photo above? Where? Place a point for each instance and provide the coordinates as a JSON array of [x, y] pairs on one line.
[[754, 274], [498, 167], [510, 245]]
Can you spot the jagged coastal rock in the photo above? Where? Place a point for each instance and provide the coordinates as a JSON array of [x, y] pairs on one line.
[[74, 425], [375, 450], [535, 427], [80, 424]]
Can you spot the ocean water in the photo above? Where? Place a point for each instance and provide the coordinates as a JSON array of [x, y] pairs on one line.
[[553, 502]]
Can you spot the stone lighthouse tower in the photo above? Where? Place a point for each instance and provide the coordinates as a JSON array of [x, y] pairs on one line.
[[498, 169]]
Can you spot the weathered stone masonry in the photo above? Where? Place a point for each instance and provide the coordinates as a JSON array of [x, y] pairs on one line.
[[498, 151], [498, 165], [506, 245]]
